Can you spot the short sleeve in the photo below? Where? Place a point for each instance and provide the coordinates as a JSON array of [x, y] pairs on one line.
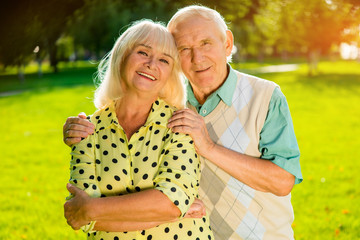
[[82, 171], [179, 172], [277, 138]]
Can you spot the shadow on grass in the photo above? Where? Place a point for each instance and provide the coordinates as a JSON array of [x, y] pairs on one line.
[[349, 82], [64, 78]]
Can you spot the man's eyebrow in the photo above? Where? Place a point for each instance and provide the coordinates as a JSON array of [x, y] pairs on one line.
[[147, 46]]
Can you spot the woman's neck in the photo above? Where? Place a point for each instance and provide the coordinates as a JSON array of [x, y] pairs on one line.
[[132, 113]]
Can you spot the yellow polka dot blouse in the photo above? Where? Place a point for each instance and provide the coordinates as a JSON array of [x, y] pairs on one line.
[[106, 163]]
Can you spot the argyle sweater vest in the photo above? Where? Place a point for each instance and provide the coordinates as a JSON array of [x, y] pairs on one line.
[[236, 210]]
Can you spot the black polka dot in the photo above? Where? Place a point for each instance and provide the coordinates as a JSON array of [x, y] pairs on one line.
[[113, 145], [166, 152], [173, 189], [105, 152], [99, 178], [180, 225], [183, 167], [130, 146], [150, 128], [99, 121], [166, 230], [123, 155], [166, 163], [147, 143], [113, 130], [86, 185], [81, 171], [97, 146], [137, 189], [117, 178], [89, 145], [162, 114], [97, 161], [201, 229], [183, 151], [175, 157], [82, 152], [155, 147], [77, 161], [176, 202], [116, 238], [189, 233], [122, 140], [94, 187], [179, 145], [104, 137], [136, 170], [169, 170], [154, 164], [157, 131], [114, 160], [109, 186], [145, 159], [157, 102], [124, 171], [141, 138], [137, 154], [145, 176], [149, 237], [157, 123], [177, 175], [106, 169], [91, 177], [97, 117], [186, 202]]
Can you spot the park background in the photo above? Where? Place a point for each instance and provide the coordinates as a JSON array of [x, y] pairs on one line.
[[49, 51]]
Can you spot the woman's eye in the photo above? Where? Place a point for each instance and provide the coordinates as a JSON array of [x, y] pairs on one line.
[[164, 61], [142, 53]]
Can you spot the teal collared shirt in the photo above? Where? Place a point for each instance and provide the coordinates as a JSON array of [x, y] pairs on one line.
[[224, 93], [277, 138]]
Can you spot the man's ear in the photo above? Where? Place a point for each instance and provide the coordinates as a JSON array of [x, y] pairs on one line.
[[229, 43]]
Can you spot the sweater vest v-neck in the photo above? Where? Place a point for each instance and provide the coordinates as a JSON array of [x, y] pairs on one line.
[[236, 210]]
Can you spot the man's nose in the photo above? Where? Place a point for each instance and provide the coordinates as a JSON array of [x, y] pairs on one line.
[[197, 55]]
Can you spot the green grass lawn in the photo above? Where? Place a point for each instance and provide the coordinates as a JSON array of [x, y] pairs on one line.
[[326, 115]]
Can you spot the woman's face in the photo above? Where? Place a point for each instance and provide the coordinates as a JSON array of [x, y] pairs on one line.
[[146, 70]]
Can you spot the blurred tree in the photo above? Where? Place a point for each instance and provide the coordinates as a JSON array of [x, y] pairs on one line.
[[31, 23]]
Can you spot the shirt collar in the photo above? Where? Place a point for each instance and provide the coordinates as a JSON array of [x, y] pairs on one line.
[[225, 92], [104, 118]]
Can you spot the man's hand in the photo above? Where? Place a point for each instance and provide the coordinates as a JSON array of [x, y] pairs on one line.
[[189, 122], [76, 128], [75, 208], [196, 210]]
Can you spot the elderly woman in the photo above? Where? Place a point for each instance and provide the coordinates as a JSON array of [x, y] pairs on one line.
[[134, 177]]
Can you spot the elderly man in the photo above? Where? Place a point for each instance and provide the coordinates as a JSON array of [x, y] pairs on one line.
[[241, 126]]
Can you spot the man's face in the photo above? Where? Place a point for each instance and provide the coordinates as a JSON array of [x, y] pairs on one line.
[[203, 53]]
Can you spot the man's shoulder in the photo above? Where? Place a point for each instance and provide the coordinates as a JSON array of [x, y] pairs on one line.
[[254, 80]]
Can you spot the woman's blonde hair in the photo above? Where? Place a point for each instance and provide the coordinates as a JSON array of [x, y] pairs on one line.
[[109, 71]]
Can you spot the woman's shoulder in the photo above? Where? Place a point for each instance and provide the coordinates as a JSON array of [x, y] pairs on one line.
[[101, 116]]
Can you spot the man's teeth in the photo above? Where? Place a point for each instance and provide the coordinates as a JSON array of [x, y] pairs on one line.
[[146, 75]]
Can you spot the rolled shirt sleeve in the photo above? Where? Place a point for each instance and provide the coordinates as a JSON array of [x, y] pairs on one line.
[[179, 172], [82, 171], [277, 138]]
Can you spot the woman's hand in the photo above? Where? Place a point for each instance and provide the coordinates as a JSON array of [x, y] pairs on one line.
[[196, 210], [75, 209]]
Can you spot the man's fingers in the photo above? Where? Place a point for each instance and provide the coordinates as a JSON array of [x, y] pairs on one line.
[[82, 115]]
